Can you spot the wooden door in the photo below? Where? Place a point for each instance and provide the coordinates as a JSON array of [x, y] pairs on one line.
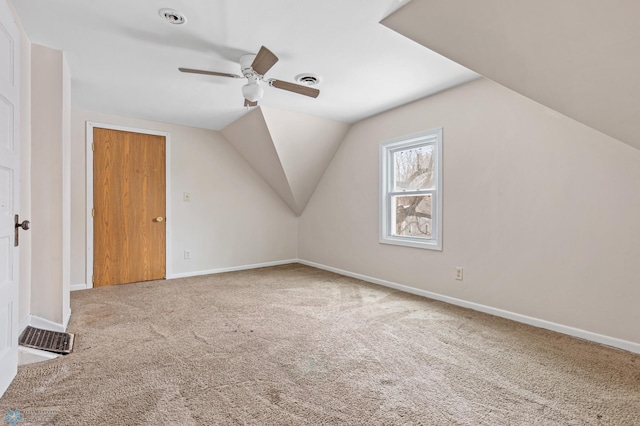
[[129, 207], [9, 194]]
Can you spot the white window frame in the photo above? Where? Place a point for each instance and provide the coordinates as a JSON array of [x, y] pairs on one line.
[[387, 148]]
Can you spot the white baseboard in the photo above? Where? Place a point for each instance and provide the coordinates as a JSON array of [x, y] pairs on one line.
[[571, 331], [67, 318], [24, 324], [76, 287], [37, 322], [30, 355], [232, 269]]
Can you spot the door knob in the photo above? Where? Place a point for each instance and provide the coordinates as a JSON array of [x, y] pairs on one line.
[[159, 219], [24, 225]]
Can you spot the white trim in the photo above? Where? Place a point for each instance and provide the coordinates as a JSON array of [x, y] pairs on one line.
[[36, 353], [45, 355], [89, 203], [38, 322], [89, 190], [24, 324], [45, 324], [76, 287], [67, 318], [386, 150], [548, 325], [233, 268]]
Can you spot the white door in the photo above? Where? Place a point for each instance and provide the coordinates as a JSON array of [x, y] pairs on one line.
[[9, 193]]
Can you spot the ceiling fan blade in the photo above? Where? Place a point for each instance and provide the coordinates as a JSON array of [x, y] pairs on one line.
[[248, 103], [264, 60], [295, 88], [219, 74]]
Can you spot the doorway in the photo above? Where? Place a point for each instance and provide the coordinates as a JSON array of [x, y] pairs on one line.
[[129, 196]]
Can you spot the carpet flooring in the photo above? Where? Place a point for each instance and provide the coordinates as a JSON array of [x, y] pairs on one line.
[[294, 345]]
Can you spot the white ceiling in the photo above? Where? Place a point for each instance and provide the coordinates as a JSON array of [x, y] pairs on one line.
[[124, 58]]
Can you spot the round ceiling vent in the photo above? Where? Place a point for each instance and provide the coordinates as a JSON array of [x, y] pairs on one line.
[[173, 16], [308, 79]]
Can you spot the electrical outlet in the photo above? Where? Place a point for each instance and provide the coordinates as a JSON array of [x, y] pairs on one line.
[[187, 254], [186, 196], [458, 273]]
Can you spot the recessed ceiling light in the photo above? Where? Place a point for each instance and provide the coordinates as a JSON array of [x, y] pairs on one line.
[[173, 16], [308, 79]]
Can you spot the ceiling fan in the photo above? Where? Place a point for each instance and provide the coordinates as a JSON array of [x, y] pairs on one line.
[[253, 68]]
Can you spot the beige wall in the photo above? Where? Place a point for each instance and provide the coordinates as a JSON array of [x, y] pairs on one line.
[[234, 218], [288, 149], [305, 145], [50, 83], [540, 211]]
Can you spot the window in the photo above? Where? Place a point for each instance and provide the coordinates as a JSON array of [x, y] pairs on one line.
[[411, 190]]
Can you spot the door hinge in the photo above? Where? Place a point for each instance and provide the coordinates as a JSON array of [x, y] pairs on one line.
[[93, 213], [93, 279], [93, 146]]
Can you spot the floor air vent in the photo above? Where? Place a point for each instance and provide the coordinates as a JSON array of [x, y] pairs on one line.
[[52, 341]]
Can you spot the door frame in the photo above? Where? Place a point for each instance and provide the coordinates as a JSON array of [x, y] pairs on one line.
[[90, 125]]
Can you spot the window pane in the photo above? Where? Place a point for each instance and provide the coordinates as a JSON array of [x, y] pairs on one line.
[[413, 216], [414, 168]]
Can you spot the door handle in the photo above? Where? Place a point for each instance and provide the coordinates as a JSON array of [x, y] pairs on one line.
[[25, 225], [159, 219]]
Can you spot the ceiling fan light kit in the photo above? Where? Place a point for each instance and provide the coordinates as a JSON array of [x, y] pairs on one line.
[[253, 68], [252, 92]]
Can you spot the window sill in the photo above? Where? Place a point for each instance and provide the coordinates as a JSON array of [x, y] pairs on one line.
[[410, 242]]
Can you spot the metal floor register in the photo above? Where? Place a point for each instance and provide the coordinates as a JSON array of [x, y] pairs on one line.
[[46, 340]]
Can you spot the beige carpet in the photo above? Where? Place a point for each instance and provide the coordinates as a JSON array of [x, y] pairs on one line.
[[296, 345]]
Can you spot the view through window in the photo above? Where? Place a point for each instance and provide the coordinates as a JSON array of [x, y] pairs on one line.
[[411, 194]]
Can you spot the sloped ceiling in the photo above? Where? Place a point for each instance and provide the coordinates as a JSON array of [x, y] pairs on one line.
[[289, 150], [578, 57]]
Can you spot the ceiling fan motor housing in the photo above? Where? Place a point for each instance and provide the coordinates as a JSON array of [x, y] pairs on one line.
[[245, 64]]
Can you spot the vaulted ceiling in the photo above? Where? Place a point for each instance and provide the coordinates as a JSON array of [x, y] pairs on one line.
[[288, 149], [578, 57]]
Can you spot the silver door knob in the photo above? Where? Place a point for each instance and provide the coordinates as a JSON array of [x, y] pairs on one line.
[[24, 225]]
